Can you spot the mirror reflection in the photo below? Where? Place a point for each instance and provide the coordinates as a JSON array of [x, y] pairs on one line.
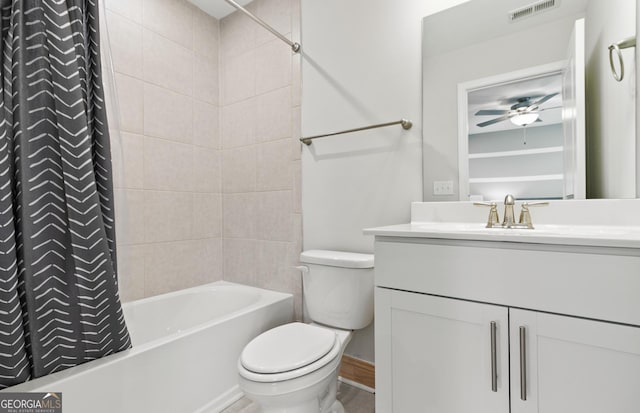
[[522, 100], [515, 138]]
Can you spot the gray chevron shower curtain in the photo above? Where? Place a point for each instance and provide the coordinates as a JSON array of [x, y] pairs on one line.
[[59, 303]]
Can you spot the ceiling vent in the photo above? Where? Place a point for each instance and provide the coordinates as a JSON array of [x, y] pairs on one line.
[[532, 9]]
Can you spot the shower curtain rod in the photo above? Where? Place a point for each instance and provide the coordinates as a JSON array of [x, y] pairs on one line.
[[405, 123], [295, 47]]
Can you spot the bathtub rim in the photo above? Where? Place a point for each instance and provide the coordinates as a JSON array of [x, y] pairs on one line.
[[44, 383]]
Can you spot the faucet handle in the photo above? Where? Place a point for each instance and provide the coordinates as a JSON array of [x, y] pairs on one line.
[[536, 203], [525, 215], [493, 219]]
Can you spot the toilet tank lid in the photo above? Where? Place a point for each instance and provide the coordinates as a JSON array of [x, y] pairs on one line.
[[337, 258]]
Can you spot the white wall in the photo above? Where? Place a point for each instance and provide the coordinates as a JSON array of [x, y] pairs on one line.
[[361, 65], [611, 111]]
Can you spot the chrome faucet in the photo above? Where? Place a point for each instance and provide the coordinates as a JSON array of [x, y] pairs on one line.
[[509, 220]]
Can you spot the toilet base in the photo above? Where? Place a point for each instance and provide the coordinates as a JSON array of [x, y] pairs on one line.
[[337, 407], [314, 392], [303, 395]]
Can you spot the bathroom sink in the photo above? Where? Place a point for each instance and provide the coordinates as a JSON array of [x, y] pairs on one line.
[[575, 222], [584, 235]]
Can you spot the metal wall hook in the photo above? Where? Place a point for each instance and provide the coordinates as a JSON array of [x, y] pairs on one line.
[[617, 47]]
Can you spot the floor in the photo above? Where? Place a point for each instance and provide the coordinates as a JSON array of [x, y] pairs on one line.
[[353, 399]]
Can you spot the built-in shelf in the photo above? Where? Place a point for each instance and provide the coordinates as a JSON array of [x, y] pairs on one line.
[[522, 152], [532, 178]]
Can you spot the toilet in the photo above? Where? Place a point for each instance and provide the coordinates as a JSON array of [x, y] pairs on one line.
[[294, 368]]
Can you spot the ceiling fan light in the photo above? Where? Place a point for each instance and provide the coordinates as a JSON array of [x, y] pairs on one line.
[[524, 119]]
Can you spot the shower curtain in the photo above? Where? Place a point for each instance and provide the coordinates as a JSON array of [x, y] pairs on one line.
[[59, 303]]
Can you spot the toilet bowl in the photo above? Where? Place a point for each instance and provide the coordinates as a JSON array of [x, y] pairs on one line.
[[294, 368]]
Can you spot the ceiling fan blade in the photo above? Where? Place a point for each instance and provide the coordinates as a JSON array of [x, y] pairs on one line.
[[544, 99], [493, 121], [492, 112], [555, 107]]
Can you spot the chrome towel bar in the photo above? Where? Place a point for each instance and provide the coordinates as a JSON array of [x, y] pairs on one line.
[[624, 44], [406, 125], [295, 47]]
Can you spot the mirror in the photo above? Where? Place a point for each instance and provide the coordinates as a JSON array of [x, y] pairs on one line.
[[488, 63]]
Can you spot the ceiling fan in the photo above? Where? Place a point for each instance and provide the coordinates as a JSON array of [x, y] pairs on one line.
[[524, 112]]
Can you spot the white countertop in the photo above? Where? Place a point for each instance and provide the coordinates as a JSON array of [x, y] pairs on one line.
[[596, 223], [580, 235]]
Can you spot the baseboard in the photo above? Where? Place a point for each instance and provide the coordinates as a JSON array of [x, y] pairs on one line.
[[358, 371]]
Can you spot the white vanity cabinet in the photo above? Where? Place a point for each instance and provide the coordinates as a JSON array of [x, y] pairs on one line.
[[564, 319], [434, 354], [573, 365]]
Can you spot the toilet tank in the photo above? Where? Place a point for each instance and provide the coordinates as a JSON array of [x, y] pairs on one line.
[[338, 288]]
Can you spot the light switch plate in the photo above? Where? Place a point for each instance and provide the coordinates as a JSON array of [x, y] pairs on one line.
[[442, 187]]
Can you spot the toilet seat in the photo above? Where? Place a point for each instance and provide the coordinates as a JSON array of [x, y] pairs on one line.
[[288, 352]]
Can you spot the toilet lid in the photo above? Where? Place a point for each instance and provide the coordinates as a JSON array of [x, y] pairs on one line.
[[288, 347]]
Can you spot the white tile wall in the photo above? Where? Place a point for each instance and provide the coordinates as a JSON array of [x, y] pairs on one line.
[[206, 163], [168, 216], [131, 261], [171, 19], [273, 66], [166, 63], [240, 260], [130, 91], [205, 80], [125, 36], [206, 125], [275, 221], [168, 165], [133, 152], [260, 127], [274, 115], [168, 169], [237, 34], [238, 123], [203, 32], [240, 169], [131, 9], [274, 166], [129, 216], [207, 216], [207, 157], [240, 215], [167, 114], [279, 15], [239, 74]]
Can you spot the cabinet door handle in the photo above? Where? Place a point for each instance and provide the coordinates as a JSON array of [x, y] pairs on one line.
[[494, 358], [523, 363]]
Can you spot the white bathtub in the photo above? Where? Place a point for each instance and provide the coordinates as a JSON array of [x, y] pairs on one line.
[[185, 348]]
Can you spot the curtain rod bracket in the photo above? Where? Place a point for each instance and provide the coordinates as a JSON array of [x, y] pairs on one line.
[[295, 47]]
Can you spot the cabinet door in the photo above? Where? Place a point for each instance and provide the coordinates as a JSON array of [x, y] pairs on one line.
[[435, 355], [573, 365]]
